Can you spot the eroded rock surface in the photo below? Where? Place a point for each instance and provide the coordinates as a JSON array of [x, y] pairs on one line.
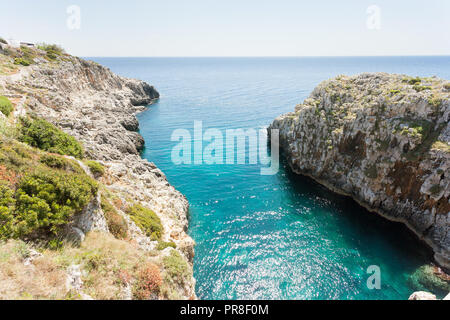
[[98, 108]]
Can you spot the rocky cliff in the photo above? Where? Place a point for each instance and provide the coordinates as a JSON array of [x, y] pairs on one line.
[[384, 140], [98, 107]]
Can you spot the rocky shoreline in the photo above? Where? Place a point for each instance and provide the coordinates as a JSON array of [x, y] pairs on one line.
[[383, 140], [98, 108]]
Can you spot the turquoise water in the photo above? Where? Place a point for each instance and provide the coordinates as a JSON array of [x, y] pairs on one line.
[[280, 236]]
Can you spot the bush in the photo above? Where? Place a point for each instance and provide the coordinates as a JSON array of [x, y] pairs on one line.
[[44, 201], [7, 203], [415, 80], [45, 136], [162, 245], [177, 269], [116, 223], [53, 50], [96, 168], [3, 40], [435, 189], [147, 221], [5, 106], [148, 284], [54, 161], [419, 88]]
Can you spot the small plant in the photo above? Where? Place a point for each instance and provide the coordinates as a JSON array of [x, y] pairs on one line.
[[147, 221], [44, 200], [435, 189], [149, 282], [435, 101], [3, 40], [22, 61], [440, 145], [419, 88], [45, 136], [7, 204], [163, 245], [5, 106], [116, 223], [415, 80], [96, 168], [53, 50], [371, 171]]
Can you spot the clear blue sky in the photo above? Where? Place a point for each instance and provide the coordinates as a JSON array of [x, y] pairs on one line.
[[233, 27]]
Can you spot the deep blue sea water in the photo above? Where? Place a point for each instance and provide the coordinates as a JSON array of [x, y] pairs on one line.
[[280, 236]]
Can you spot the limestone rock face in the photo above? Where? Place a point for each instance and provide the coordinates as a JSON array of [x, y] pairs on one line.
[[384, 140], [98, 108]]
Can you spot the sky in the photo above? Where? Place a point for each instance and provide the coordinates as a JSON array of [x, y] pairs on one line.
[[176, 28]]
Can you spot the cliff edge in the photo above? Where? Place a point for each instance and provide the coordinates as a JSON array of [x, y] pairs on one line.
[[384, 140], [120, 231]]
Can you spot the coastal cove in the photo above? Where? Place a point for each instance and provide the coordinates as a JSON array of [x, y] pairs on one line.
[[281, 236]]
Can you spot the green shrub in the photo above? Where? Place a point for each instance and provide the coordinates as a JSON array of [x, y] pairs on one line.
[[435, 189], [96, 168], [426, 279], [162, 245], [371, 171], [177, 269], [116, 223], [147, 221], [7, 203], [5, 106], [54, 161], [415, 80], [45, 136], [44, 201], [148, 283], [22, 61], [3, 40]]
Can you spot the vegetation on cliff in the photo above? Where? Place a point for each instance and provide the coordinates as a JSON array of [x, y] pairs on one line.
[[72, 227], [5, 106], [382, 139], [146, 220], [40, 192]]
